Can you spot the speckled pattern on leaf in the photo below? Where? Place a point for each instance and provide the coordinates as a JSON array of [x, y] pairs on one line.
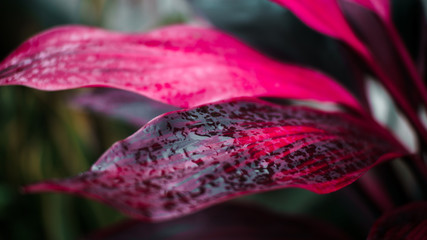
[[184, 161]]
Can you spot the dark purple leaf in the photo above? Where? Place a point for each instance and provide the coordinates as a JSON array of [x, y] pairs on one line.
[[408, 222], [187, 160], [227, 221], [130, 107], [383, 48]]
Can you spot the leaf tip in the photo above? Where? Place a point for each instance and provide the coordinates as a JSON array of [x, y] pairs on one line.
[[48, 186]]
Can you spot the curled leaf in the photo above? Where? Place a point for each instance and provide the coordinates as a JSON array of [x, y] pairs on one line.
[[190, 159], [178, 65]]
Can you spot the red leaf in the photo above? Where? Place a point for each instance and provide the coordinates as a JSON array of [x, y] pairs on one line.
[[227, 221], [187, 160], [408, 222], [326, 17], [123, 105], [179, 65]]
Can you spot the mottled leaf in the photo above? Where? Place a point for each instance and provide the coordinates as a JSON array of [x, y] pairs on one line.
[[129, 107], [187, 160], [179, 65], [407, 222], [227, 221]]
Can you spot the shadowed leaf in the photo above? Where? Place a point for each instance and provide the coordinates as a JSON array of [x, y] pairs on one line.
[[408, 222], [129, 107], [227, 221]]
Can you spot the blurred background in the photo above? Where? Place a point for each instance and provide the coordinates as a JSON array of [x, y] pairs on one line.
[[44, 137]]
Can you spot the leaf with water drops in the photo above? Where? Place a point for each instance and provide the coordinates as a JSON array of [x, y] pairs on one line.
[[187, 160]]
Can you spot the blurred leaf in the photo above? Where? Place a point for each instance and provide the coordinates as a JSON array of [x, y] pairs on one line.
[[227, 221], [409, 18], [407, 222], [277, 32], [129, 107]]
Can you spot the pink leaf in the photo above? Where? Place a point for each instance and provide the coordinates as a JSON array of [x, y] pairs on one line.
[[187, 160], [407, 222], [380, 7], [127, 106], [179, 65], [225, 222], [326, 17]]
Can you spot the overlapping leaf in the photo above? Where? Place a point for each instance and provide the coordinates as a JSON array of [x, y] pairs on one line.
[[187, 160], [326, 17], [407, 222], [381, 7], [377, 38], [227, 221], [129, 107], [278, 33], [179, 65]]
